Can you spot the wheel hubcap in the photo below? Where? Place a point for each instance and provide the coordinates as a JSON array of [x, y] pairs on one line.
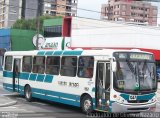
[[28, 93], [87, 105]]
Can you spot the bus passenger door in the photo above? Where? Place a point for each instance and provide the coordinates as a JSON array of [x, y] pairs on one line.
[[103, 86], [16, 73]]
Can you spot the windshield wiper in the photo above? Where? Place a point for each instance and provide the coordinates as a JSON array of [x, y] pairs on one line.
[[130, 66], [134, 71]]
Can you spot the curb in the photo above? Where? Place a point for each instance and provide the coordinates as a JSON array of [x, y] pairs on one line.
[[8, 104]]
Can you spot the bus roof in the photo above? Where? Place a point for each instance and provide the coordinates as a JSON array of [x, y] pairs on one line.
[[101, 52]]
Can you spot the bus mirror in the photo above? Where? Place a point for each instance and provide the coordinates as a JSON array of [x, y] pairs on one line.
[[114, 66]]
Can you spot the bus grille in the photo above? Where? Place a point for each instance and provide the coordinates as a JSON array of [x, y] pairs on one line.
[[138, 108], [137, 101]]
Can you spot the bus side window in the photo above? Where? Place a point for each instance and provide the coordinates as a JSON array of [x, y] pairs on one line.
[[39, 64], [52, 65], [27, 64], [8, 63], [85, 66], [69, 66]]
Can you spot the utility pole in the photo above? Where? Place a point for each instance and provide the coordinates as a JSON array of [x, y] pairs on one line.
[[109, 10], [143, 12], [38, 21]]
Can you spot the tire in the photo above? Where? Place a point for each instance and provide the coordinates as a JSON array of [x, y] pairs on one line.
[[87, 104], [28, 93]]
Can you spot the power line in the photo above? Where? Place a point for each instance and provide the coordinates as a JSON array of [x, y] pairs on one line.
[[77, 8]]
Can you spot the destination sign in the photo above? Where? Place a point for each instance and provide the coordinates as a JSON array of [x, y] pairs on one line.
[[130, 55], [141, 56]]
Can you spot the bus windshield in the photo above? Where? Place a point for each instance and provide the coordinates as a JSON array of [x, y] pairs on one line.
[[133, 76]]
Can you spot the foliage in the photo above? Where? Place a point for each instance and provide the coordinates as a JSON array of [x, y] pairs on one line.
[[31, 24]]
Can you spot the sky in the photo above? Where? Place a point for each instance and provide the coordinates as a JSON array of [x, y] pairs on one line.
[[95, 5]]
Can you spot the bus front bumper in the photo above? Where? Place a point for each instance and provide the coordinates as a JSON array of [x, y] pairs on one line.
[[117, 107]]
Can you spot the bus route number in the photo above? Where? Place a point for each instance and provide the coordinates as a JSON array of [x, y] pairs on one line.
[[71, 84]]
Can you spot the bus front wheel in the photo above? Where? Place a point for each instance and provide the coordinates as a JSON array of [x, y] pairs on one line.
[[28, 93], [87, 104]]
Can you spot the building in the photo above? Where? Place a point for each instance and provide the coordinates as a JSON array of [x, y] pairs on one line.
[[29, 8], [11, 10], [130, 11], [61, 7]]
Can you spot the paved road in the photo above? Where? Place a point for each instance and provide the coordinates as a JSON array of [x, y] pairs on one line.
[[39, 109]]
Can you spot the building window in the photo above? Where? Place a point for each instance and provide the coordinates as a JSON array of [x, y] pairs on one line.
[[53, 31], [38, 64], [123, 13], [85, 67], [123, 7], [52, 65], [47, 12], [27, 64], [8, 63], [47, 5], [133, 14], [69, 66]]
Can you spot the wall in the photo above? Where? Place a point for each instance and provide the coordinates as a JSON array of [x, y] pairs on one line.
[[21, 40], [4, 43], [88, 33], [53, 27], [52, 22], [5, 39]]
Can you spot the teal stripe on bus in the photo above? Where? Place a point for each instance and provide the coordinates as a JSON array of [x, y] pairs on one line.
[[49, 53], [48, 79], [41, 53], [24, 76], [65, 98], [40, 78], [54, 93], [72, 52], [33, 77], [8, 87], [57, 53], [7, 74]]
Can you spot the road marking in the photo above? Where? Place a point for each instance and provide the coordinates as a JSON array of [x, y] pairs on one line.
[[31, 115], [39, 103], [9, 94], [15, 110]]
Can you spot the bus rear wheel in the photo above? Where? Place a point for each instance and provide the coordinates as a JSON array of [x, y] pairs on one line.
[[87, 104], [28, 93]]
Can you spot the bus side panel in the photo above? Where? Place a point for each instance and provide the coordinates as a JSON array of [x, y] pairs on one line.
[[7, 80], [46, 89]]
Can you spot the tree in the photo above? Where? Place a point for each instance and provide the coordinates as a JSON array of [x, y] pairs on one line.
[[31, 24]]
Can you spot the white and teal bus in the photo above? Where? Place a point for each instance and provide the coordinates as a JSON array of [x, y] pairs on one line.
[[104, 80]]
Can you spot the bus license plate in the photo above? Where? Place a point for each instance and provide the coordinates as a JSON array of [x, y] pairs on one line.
[[132, 97]]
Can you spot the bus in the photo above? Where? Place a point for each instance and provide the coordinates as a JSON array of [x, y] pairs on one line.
[[106, 80]]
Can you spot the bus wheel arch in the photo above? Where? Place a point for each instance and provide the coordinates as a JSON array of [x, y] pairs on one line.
[[28, 92], [86, 103]]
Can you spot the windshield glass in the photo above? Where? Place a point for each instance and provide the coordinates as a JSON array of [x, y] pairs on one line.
[[132, 76]]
